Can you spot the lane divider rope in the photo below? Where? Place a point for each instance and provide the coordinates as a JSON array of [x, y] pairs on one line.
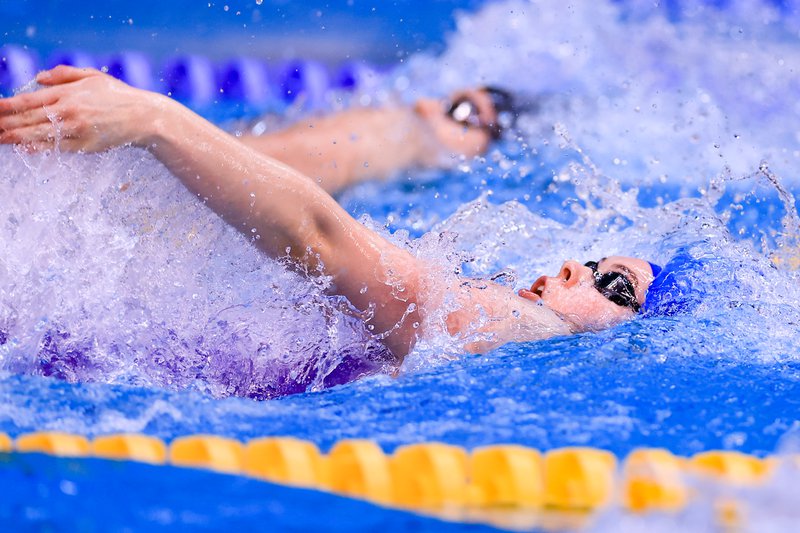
[[199, 81], [430, 476]]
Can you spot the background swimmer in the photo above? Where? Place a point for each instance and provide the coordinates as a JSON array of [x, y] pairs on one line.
[[85, 110], [341, 149]]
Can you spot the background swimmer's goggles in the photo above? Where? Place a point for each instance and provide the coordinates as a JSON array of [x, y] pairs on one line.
[[464, 111], [615, 286]]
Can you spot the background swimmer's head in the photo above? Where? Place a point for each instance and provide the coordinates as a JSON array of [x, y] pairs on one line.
[[469, 120], [594, 295]]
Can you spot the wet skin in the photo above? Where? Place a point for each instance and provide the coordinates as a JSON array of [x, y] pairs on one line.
[[571, 293], [469, 141]]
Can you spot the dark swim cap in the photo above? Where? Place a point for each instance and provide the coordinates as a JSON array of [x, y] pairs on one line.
[[676, 288]]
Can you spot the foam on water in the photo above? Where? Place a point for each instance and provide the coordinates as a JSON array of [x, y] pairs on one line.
[[111, 271], [650, 99]]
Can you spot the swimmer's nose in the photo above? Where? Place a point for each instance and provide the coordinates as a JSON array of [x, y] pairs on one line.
[[428, 107], [570, 272]]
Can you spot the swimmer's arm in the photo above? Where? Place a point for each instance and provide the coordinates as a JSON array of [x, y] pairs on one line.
[[351, 146], [282, 210], [275, 205]]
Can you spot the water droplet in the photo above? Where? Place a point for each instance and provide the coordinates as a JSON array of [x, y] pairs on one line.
[[68, 487]]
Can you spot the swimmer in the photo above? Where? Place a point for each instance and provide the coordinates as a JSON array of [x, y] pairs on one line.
[[345, 148], [403, 297]]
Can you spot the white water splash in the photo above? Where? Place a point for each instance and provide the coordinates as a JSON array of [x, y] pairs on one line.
[[650, 100], [112, 271]]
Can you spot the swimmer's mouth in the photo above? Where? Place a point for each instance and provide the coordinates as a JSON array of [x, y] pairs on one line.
[[535, 292]]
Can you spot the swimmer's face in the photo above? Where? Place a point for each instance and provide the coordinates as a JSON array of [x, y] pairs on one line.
[[460, 123], [573, 295]]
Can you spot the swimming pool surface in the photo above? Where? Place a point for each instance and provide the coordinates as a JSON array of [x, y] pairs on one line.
[[661, 129]]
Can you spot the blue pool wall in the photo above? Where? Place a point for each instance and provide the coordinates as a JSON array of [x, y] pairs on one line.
[[380, 32]]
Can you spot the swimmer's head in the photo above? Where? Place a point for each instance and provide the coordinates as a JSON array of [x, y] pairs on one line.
[[469, 120], [594, 295], [676, 288]]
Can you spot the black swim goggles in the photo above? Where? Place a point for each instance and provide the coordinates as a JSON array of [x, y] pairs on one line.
[[465, 111], [615, 286]]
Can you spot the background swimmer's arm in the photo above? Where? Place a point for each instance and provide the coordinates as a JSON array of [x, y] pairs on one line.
[[351, 146], [280, 208]]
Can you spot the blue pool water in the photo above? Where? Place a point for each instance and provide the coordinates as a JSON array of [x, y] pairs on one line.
[[46, 501], [660, 129], [273, 29]]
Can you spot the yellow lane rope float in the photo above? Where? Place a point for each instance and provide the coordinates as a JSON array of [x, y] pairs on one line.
[[432, 477]]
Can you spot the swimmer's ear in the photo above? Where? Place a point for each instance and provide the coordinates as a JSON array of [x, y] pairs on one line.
[[64, 74]]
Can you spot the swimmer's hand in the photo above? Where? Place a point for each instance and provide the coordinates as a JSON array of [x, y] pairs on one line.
[[82, 110]]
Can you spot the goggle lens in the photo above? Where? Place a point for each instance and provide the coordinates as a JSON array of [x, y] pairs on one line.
[[465, 112], [615, 286]]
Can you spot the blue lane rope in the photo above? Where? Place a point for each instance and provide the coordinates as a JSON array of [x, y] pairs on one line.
[[198, 81]]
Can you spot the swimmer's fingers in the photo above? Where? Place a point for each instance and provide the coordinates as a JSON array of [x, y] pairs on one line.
[[38, 140], [64, 138], [63, 145], [37, 147], [24, 102], [30, 117], [29, 134], [65, 74], [99, 110], [48, 95]]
